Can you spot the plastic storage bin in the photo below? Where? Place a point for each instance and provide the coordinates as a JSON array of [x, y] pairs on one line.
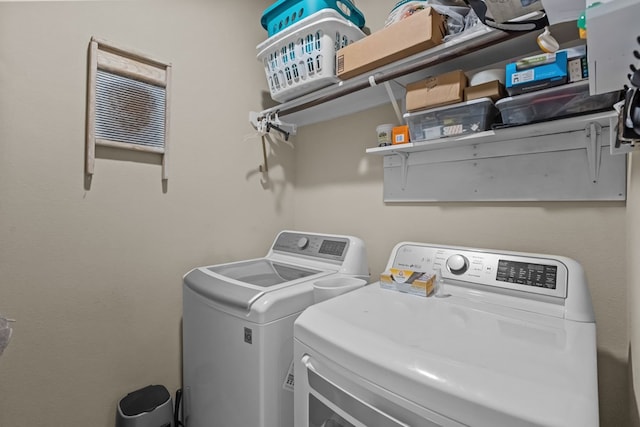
[[457, 119], [554, 103], [284, 13], [150, 406], [302, 58]]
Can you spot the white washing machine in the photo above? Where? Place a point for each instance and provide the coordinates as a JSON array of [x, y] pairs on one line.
[[513, 344], [238, 328]]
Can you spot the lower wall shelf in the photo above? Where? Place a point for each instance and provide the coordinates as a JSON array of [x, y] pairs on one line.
[[553, 161]]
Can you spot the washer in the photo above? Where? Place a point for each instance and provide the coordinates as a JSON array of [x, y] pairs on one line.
[[238, 328], [513, 344]]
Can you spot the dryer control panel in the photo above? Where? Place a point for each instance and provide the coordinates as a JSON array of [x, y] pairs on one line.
[[529, 273]]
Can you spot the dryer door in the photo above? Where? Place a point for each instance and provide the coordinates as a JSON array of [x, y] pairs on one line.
[[355, 403]]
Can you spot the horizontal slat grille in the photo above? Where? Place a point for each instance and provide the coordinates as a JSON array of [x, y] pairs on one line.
[[129, 111]]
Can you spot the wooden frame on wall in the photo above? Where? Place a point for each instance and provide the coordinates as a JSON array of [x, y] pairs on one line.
[[127, 103]]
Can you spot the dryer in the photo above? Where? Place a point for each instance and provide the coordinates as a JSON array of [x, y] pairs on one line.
[[238, 328], [513, 343]]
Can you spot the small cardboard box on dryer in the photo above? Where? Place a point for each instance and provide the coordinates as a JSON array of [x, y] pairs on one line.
[[408, 281], [421, 31], [437, 91]]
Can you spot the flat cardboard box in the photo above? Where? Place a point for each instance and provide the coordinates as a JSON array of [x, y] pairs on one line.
[[444, 89], [408, 281], [421, 31], [494, 90]]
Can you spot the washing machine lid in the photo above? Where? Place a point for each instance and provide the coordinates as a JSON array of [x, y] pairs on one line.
[[478, 364], [259, 290]]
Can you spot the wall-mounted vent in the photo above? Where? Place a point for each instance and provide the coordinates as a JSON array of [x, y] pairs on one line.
[[128, 103]]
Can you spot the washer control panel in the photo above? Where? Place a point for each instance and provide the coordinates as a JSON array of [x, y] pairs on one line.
[[319, 246], [508, 270]]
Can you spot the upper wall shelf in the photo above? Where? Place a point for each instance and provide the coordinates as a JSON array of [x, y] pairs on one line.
[[469, 51]]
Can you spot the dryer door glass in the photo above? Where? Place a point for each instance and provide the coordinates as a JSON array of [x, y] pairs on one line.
[[262, 272], [339, 404], [320, 415]]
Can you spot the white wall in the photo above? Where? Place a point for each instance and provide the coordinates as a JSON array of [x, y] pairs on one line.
[[93, 276]]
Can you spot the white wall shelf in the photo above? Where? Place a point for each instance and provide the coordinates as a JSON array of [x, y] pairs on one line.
[[565, 159], [555, 127]]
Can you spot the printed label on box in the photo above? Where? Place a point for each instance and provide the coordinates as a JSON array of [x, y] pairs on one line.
[[452, 130], [522, 77], [433, 132]]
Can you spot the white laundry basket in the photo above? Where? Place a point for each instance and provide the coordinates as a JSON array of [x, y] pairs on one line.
[[302, 58]]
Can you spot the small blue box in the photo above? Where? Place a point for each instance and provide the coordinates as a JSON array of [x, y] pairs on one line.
[[536, 72]]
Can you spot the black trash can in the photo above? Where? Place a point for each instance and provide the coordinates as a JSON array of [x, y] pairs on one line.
[[150, 406]]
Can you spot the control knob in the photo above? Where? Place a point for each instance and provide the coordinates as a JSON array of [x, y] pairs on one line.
[[457, 264], [303, 242]]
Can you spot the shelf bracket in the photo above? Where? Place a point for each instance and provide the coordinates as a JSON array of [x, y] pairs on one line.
[[394, 102], [404, 162], [392, 98], [594, 144]]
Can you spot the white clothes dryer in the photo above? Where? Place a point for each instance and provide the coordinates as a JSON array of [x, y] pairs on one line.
[[238, 328], [513, 344]]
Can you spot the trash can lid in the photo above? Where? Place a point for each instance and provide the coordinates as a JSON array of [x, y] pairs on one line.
[[144, 400]]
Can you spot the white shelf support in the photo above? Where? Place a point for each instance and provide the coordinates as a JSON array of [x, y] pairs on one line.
[[404, 159], [394, 102], [594, 145]]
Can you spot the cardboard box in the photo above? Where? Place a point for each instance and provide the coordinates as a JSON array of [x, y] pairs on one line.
[[536, 72], [419, 32], [494, 90], [400, 135], [408, 281], [436, 91]]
